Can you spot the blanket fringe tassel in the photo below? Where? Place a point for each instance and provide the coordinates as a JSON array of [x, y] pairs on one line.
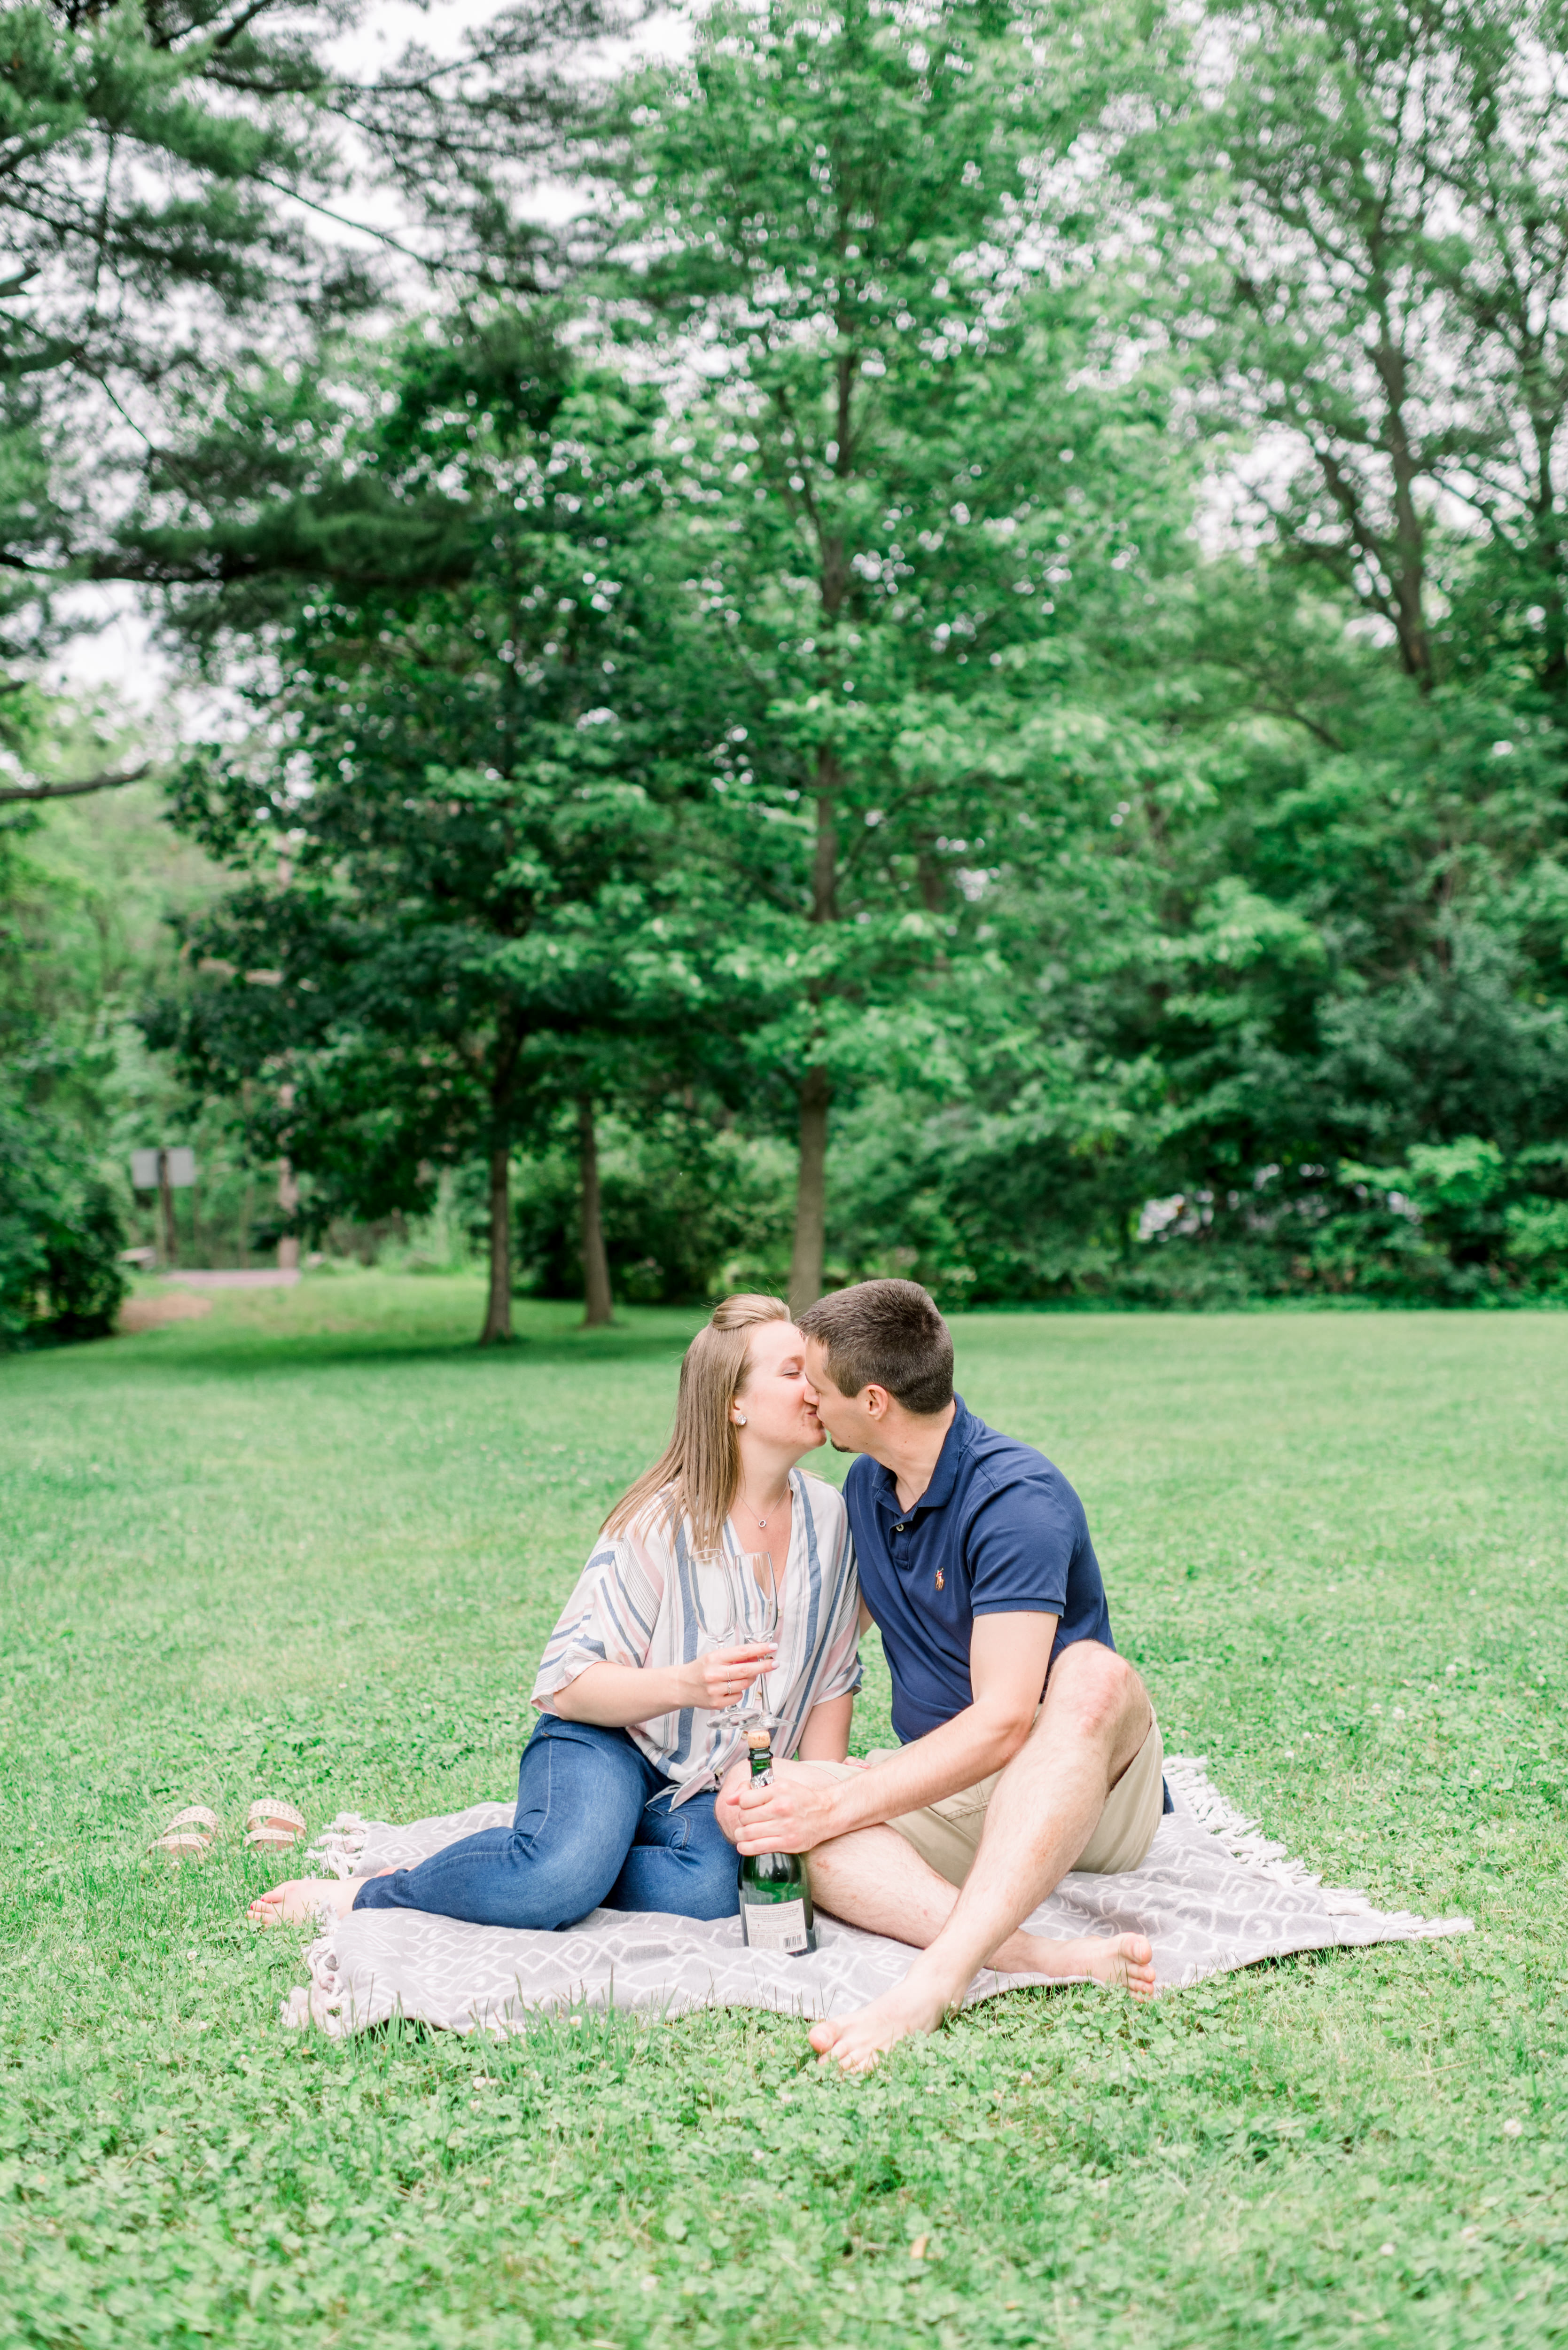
[[1193, 1791]]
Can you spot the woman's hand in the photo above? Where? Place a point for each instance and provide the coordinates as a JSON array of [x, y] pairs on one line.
[[723, 1675], [615, 1696]]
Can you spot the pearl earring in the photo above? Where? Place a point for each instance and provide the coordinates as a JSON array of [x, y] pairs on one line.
[[740, 1419]]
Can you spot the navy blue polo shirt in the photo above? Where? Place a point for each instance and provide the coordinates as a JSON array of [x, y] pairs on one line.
[[997, 1531]]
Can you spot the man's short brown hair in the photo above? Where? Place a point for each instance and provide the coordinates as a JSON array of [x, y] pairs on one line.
[[886, 1332]]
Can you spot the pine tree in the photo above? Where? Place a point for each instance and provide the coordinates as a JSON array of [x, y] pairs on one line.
[[463, 814], [164, 170]]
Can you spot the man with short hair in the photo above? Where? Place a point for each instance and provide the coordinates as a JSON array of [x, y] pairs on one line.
[[1029, 1746]]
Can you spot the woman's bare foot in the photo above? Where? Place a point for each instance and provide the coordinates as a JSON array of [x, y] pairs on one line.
[[921, 2001], [304, 1898]]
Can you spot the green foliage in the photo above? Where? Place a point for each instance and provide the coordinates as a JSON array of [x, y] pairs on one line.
[[777, 668], [164, 168], [1486, 1225], [1256, 942], [1334, 1544], [466, 828], [60, 1233], [1367, 205], [143, 155], [850, 208], [88, 889], [690, 1211]]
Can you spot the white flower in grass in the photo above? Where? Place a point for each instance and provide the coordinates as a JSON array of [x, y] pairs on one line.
[[1511, 2128], [1386, 2251]]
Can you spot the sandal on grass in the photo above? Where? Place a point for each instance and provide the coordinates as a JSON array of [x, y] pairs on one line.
[[188, 1834], [273, 1825]]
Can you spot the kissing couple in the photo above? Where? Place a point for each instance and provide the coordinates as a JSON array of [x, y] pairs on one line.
[[1027, 1746]]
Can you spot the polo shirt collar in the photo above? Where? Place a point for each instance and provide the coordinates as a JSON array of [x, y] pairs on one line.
[[942, 1475]]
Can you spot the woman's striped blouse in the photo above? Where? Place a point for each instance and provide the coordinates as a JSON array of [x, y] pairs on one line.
[[644, 1599]]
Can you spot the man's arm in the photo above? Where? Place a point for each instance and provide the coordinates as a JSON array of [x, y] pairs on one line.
[[1007, 1660]]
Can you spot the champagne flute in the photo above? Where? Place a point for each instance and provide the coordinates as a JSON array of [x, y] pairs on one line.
[[737, 1601], [757, 1597]]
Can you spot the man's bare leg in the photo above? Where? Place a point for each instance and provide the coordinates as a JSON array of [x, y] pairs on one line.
[[874, 1879], [1046, 1807]]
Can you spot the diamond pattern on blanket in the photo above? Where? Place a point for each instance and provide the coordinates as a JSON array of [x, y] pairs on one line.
[[1212, 1894]]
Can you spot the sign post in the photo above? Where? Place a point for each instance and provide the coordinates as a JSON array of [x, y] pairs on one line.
[[165, 1172], [166, 1210]]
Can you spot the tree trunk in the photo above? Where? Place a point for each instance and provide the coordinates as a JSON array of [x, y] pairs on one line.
[[287, 1201], [287, 1197], [1546, 548], [1408, 568], [817, 1086], [595, 1264], [248, 1197], [170, 1243], [811, 1193], [497, 1330]]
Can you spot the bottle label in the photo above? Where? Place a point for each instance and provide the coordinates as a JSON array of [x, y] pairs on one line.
[[775, 1926]]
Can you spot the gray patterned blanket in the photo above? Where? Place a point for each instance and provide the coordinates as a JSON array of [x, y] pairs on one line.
[[1212, 1894]]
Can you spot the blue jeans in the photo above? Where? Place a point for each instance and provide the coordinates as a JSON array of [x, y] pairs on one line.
[[587, 1832]]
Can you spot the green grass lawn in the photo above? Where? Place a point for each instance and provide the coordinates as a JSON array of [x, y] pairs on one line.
[[312, 1546]]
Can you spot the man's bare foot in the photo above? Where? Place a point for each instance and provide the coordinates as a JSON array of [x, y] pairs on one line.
[[303, 1899], [916, 2004], [1125, 1961], [858, 2040]]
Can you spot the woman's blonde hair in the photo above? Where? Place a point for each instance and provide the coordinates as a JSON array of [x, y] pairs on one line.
[[698, 1473]]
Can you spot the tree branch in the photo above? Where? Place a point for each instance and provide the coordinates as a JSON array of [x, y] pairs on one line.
[[14, 792]]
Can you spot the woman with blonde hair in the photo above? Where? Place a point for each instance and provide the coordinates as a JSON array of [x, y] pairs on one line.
[[616, 1793]]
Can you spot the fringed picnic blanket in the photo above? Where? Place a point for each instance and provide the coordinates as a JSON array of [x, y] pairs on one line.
[[1214, 1894]]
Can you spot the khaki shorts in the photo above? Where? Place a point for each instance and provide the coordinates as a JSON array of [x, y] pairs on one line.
[[947, 1835]]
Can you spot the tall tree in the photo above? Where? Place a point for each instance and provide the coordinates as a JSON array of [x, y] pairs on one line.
[[829, 221], [456, 813], [1363, 217]]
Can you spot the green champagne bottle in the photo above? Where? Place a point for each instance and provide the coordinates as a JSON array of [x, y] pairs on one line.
[[775, 1896]]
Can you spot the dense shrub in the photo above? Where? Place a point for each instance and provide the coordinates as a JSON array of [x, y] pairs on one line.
[[60, 1234], [997, 1211], [1028, 1209], [689, 1212]]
